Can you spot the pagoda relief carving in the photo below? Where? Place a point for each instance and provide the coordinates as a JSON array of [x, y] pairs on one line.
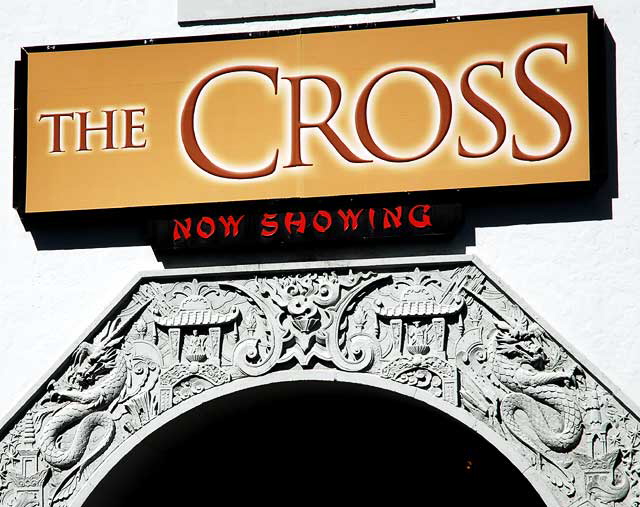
[[420, 324], [445, 329], [194, 335], [29, 475]]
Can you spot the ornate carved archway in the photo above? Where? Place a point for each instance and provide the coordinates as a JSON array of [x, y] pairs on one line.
[[442, 330], [314, 442]]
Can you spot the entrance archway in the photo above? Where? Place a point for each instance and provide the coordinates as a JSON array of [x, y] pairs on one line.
[[441, 331], [314, 443]]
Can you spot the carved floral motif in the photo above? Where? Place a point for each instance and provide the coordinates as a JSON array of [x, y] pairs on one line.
[[447, 330]]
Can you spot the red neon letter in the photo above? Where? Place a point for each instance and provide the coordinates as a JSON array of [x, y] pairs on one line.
[[230, 223], [300, 223], [327, 221], [395, 217], [211, 225], [181, 229], [425, 221], [350, 219], [269, 224]]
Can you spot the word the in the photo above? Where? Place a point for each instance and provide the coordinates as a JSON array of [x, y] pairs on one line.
[[83, 130]]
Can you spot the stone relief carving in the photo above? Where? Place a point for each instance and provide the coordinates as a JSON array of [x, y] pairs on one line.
[[447, 330]]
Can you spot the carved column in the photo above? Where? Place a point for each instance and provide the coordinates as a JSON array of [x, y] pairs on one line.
[[438, 328], [174, 338], [396, 330], [215, 339]]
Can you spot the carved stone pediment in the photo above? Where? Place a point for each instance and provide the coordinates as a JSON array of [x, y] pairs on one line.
[[445, 328]]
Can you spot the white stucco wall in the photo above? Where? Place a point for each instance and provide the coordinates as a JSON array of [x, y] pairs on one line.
[[582, 277]]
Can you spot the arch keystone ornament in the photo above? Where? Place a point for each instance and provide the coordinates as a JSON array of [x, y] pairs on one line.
[[444, 330]]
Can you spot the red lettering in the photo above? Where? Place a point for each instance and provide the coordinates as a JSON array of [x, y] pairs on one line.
[[84, 130], [327, 221], [372, 216], [362, 121], [541, 98], [392, 216], [230, 223], [180, 229], [187, 128], [297, 125], [350, 219], [269, 224], [485, 109], [211, 225], [56, 133], [300, 223], [129, 128], [420, 223]]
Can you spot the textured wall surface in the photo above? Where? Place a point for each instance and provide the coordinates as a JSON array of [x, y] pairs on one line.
[[581, 276]]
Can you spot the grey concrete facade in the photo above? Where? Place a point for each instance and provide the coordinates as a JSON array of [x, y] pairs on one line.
[[443, 330]]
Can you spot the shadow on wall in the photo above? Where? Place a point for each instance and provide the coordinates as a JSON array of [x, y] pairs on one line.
[[486, 208], [309, 443]]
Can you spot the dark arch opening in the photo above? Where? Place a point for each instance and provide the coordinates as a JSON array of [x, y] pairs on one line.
[[314, 443]]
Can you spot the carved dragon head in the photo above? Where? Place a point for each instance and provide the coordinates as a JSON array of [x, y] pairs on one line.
[[521, 341], [93, 360]]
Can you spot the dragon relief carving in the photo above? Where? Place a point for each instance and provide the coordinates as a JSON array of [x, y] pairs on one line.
[[521, 365], [545, 395], [83, 402], [518, 380], [448, 331]]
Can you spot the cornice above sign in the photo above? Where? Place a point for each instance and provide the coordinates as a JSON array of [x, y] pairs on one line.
[[204, 11]]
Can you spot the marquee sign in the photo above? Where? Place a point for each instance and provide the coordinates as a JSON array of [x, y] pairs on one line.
[[469, 104], [218, 229]]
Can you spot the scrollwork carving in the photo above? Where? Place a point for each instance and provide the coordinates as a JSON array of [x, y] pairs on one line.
[[432, 374], [447, 330]]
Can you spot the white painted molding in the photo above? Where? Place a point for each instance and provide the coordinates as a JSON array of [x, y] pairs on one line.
[[207, 11]]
